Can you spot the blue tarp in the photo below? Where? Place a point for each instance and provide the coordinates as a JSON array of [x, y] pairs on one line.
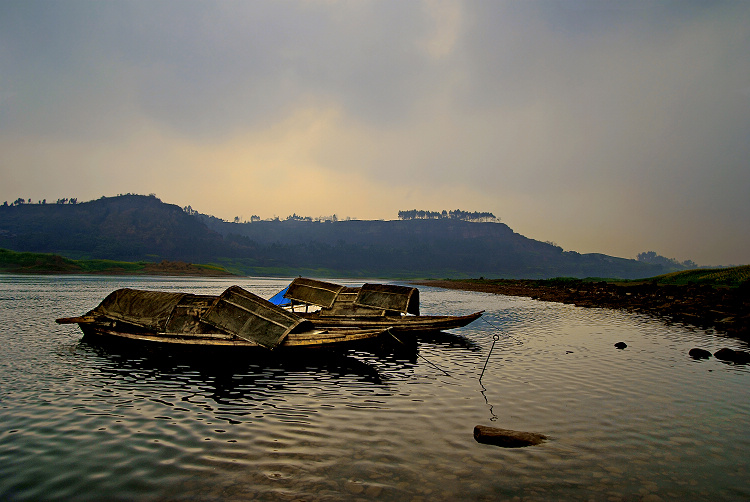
[[278, 298]]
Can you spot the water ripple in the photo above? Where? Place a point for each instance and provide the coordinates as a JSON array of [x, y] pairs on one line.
[[80, 422]]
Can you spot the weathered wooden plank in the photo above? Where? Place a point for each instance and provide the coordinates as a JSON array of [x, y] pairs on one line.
[[76, 320]]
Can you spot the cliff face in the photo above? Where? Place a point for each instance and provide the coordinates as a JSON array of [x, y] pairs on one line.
[[142, 228]]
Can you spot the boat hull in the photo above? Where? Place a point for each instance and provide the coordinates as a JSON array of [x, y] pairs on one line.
[[324, 337]]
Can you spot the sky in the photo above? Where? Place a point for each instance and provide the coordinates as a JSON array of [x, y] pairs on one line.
[[612, 127]]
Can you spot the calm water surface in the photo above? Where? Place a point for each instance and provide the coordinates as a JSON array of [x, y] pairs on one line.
[[82, 422]]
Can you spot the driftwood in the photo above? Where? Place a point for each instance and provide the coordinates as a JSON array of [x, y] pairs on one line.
[[507, 438]]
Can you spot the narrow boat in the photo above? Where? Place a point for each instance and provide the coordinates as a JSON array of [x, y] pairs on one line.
[[236, 318], [370, 306], [394, 323]]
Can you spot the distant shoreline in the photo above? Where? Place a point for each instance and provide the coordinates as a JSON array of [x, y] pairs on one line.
[[12, 262], [727, 310], [177, 268], [115, 272]]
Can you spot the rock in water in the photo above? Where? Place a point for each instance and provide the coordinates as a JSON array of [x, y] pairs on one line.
[[697, 353], [735, 356], [621, 345], [507, 438]]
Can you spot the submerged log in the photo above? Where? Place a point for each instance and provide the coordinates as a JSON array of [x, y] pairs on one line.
[[507, 438]]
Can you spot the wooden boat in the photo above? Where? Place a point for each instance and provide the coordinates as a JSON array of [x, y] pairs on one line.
[[236, 318], [394, 323], [371, 306]]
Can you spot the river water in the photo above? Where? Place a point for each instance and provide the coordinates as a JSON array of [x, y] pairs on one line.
[[83, 422]]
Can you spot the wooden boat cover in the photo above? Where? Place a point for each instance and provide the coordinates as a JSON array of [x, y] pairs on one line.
[[344, 306], [389, 297], [147, 309], [313, 292], [250, 317]]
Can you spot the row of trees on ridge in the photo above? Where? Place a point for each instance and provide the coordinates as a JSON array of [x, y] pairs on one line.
[[456, 214], [20, 201]]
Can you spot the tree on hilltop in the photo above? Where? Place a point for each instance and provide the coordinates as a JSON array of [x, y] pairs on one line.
[[456, 214]]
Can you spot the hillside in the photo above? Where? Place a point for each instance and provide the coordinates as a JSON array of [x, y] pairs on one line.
[[142, 228], [427, 248], [128, 227]]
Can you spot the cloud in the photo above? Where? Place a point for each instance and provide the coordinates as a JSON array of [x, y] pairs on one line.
[[608, 127], [447, 17]]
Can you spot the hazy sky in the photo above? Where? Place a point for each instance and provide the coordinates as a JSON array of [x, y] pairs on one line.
[[604, 126]]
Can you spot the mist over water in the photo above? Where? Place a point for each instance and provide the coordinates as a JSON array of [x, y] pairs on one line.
[[83, 422]]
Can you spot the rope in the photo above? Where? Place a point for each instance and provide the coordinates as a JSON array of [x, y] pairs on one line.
[[495, 338], [418, 354]]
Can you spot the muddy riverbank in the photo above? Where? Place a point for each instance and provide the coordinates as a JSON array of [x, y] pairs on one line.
[[726, 310]]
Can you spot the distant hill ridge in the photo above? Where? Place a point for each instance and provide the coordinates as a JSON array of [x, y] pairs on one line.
[[143, 228], [126, 227]]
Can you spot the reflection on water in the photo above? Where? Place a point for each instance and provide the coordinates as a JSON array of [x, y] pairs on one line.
[[386, 421], [226, 374]]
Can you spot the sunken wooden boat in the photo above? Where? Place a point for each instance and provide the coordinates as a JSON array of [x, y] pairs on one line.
[[371, 306], [236, 318]]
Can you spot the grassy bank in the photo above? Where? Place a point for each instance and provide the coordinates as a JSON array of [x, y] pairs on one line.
[[731, 277], [12, 262]]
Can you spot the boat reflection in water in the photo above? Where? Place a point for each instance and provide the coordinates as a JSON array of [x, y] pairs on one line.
[[235, 386]]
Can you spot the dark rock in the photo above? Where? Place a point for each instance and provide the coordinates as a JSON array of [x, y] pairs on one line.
[[621, 345], [697, 353], [735, 356], [724, 354]]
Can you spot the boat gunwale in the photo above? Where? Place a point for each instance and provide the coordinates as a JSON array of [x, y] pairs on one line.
[[410, 323], [318, 337]]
